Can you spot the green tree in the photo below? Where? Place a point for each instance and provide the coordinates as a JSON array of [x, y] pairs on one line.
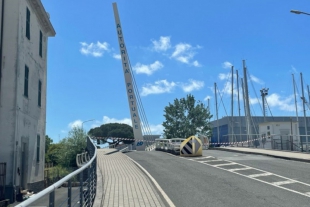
[[185, 118], [48, 142], [53, 154], [70, 146], [113, 130]]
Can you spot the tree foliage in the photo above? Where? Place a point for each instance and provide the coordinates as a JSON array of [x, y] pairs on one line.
[[48, 142], [64, 153], [113, 130], [185, 118]]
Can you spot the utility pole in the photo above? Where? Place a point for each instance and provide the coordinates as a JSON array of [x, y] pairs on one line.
[[239, 109], [247, 104], [304, 109], [217, 116], [232, 102]]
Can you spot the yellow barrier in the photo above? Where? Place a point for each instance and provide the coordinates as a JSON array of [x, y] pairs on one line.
[[191, 147]]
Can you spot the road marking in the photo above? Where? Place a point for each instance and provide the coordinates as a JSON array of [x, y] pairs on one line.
[[254, 176], [259, 175], [212, 161], [284, 182], [199, 158], [237, 169], [232, 163]]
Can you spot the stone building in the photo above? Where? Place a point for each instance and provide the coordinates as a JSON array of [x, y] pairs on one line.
[[24, 30]]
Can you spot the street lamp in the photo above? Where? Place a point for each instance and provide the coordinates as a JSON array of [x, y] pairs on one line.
[[299, 12], [86, 121]]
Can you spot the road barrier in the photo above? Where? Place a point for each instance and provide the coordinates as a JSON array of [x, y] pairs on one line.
[[191, 147]]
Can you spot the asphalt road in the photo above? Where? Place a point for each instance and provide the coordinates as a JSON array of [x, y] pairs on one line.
[[216, 181]]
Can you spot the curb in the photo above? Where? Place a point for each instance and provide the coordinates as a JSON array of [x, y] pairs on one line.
[[259, 153], [162, 192]]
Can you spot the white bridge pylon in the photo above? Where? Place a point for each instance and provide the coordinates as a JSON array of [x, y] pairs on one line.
[[132, 100]]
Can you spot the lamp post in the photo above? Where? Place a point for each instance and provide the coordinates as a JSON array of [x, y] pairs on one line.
[[299, 12], [86, 121]]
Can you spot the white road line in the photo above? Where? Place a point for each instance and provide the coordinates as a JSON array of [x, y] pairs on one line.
[[212, 161], [284, 182], [265, 173], [259, 175], [237, 169], [232, 163], [199, 158]]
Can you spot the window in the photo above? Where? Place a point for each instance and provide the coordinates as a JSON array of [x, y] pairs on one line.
[[39, 93], [28, 24], [40, 46], [268, 127], [26, 81], [38, 148]]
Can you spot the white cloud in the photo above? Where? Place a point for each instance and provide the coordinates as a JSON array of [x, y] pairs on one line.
[[256, 80], [148, 69], [76, 123], [207, 97], [285, 104], [192, 85], [223, 76], [161, 86], [157, 129], [226, 65], [293, 70], [196, 64], [117, 56], [106, 120], [184, 53], [253, 101], [162, 44], [94, 49]]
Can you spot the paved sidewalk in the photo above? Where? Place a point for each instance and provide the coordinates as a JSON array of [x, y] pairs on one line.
[[297, 156], [121, 183]]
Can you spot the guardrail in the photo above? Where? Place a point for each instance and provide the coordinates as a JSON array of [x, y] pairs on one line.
[[85, 191]]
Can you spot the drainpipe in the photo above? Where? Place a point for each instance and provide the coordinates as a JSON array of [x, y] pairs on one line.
[[1, 46]]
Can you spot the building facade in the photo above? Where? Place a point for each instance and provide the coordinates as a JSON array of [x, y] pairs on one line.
[[276, 130], [24, 30]]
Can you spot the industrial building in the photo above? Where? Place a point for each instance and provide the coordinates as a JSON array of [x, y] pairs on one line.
[[279, 132], [24, 31]]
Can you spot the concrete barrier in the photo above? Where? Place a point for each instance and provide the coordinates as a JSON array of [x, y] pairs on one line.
[[191, 147]]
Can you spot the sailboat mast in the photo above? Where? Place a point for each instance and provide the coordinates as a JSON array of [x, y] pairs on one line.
[[232, 103], [132, 101], [244, 105], [217, 115], [247, 104], [239, 109], [304, 109]]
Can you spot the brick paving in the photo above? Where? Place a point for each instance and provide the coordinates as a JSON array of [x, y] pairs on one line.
[[123, 183]]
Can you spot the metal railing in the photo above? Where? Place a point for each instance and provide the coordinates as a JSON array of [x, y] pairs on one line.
[[81, 193]]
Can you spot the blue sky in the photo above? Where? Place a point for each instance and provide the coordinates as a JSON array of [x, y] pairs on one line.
[[175, 48]]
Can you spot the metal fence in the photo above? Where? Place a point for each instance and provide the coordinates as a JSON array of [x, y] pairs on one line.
[[80, 185]]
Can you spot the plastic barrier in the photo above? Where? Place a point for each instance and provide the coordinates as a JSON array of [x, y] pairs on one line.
[[191, 147]]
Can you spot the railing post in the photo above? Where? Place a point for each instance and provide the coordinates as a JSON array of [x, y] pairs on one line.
[[88, 183], [52, 199], [81, 188], [69, 193]]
